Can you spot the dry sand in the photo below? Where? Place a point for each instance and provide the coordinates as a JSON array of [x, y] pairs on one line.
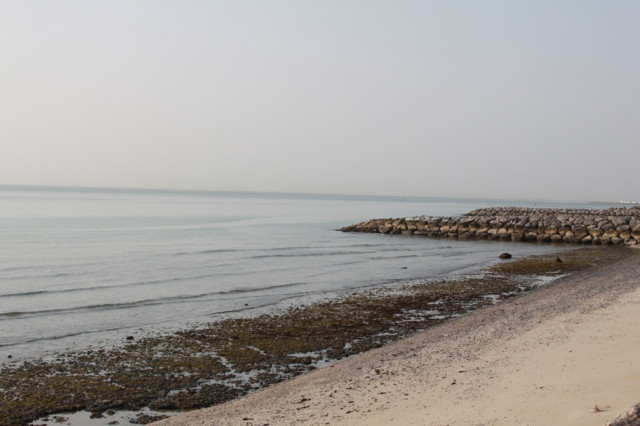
[[545, 358]]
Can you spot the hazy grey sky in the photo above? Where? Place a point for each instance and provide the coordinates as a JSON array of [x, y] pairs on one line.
[[528, 99]]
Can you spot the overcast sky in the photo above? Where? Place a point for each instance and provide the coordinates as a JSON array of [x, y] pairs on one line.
[[498, 99]]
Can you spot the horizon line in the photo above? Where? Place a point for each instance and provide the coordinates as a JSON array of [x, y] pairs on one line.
[[289, 194]]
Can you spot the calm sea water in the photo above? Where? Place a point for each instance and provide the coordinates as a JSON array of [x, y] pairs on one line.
[[80, 267]]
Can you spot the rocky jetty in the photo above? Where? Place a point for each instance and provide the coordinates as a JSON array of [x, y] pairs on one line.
[[613, 226]]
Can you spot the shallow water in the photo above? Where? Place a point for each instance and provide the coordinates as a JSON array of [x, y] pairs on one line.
[[83, 267], [81, 418]]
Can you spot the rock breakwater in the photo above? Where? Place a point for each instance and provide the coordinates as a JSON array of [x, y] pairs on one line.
[[613, 226]]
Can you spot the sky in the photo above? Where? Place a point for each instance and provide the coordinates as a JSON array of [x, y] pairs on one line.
[[494, 99]]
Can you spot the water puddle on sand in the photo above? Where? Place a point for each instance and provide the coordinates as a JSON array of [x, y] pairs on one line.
[[120, 417]]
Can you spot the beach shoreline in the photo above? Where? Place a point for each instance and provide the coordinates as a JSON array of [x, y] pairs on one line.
[[204, 366], [548, 357]]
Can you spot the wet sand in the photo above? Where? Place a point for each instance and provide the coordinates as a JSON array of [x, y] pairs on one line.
[[546, 357]]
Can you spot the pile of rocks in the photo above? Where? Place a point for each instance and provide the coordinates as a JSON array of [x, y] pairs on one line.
[[614, 226], [532, 211]]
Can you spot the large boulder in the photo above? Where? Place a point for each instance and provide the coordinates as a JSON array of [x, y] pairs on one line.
[[631, 417], [595, 232]]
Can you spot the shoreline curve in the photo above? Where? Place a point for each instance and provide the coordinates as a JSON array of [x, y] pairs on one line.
[[547, 357]]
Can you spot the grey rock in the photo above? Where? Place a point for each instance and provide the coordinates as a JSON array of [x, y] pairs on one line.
[[629, 418]]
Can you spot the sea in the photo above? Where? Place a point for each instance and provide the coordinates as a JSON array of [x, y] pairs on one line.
[[82, 267]]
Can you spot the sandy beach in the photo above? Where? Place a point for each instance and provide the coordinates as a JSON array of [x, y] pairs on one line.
[[548, 357]]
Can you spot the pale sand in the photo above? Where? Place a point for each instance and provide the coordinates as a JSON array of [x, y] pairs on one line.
[[545, 358]]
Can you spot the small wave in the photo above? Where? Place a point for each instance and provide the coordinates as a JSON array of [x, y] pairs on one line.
[[139, 283], [146, 302], [290, 248], [26, 293], [33, 277], [58, 337], [114, 286], [103, 287], [354, 262], [257, 289], [13, 314], [209, 251], [320, 254], [299, 248], [99, 307], [214, 251], [404, 256], [36, 267], [457, 253]]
